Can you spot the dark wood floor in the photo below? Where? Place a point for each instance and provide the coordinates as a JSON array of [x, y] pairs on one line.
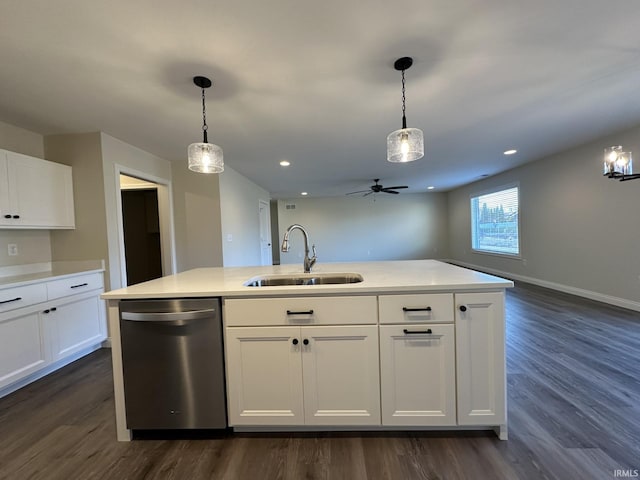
[[574, 413]]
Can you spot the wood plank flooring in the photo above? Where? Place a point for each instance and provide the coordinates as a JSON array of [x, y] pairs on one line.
[[574, 413]]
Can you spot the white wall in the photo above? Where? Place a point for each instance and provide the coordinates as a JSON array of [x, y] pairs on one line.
[[33, 245], [88, 241], [116, 152], [380, 227], [196, 202], [93, 157], [578, 229], [240, 219]]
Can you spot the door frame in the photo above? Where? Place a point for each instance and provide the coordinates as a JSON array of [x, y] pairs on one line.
[[165, 214], [265, 205]]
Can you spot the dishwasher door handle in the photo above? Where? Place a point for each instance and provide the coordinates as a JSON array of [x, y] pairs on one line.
[[167, 316]]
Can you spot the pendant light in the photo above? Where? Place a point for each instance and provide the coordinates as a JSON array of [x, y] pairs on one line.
[[205, 157], [406, 144], [618, 164]]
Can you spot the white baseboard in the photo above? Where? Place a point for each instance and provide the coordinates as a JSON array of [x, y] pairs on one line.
[[599, 297]]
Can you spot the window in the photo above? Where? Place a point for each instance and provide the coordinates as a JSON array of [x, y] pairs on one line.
[[495, 222]]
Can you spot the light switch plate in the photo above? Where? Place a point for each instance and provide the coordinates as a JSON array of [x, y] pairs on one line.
[[12, 249]]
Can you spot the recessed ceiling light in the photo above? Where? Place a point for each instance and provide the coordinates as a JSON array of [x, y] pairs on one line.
[[510, 152], [284, 163], [430, 187], [304, 193]]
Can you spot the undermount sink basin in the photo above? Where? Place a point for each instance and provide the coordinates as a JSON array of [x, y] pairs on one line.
[[303, 279]]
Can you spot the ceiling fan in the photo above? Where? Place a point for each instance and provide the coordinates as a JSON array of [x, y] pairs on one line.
[[377, 188]]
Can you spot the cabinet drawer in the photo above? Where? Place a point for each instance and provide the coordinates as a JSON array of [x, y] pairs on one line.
[[18, 297], [74, 285], [300, 311], [423, 308]]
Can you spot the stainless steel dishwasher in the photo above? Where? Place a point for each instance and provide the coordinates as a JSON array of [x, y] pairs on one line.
[[173, 364]]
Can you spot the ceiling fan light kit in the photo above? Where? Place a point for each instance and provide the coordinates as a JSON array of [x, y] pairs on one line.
[[406, 144], [619, 164], [205, 157]]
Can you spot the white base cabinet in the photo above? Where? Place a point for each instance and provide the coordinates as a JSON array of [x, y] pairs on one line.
[[317, 365], [418, 375], [325, 375], [42, 324], [480, 359], [418, 360], [340, 371], [23, 347], [75, 324], [264, 373]]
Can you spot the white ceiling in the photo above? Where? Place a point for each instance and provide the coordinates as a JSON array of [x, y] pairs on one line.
[[314, 83]]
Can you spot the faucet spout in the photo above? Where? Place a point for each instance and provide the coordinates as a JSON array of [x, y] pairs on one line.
[[309, 262]]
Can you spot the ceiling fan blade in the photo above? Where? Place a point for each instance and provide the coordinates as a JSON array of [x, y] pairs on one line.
[[359, 191], [396, 187], [390, 191], [368, 193]]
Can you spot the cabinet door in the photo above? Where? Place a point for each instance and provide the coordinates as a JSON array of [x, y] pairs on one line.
[[418, 375], [341, 375], [75, 324], [23, 349], [5, 206], [480, 357], [40, 192], [264, 376]]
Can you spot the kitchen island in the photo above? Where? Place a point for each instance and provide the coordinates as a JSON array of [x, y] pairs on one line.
[[414, 345]]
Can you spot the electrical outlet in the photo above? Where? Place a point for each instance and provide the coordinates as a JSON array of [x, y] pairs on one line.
[[12, 249]]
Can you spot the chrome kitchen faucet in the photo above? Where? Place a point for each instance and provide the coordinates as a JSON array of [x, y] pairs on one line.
[[308, 262]]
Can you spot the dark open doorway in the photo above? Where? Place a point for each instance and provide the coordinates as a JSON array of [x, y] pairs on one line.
[[141, 225]]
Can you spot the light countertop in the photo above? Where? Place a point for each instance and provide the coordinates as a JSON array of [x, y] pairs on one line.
[[20, 275], [409, 276]]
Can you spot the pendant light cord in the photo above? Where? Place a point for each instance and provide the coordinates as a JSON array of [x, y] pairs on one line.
[[204, 119], [404, 118]]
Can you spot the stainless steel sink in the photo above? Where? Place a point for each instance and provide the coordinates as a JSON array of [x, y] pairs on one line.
[[303, 279]]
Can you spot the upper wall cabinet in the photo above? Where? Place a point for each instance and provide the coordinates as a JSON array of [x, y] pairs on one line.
[[34, 193]]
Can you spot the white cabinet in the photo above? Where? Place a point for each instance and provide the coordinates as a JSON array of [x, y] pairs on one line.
[[480, 358], [23, 348], [45, 325], [340, 370], [417, 360], [302, 374], [264, 375], [35, 193], [74, 324], [417, 375]]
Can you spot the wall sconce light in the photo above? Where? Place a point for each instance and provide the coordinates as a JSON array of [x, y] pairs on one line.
[[406, 144], [618, 164], [205, 157]]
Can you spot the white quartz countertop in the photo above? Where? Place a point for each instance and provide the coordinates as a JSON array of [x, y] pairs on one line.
[[35, 273], [409, 276]]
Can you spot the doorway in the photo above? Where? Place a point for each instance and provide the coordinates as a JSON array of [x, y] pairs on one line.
[[145, 229], [141, 229]]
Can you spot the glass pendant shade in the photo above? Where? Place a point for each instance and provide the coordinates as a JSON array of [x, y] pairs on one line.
[[205, 158], [405, 145], [617, 162]]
